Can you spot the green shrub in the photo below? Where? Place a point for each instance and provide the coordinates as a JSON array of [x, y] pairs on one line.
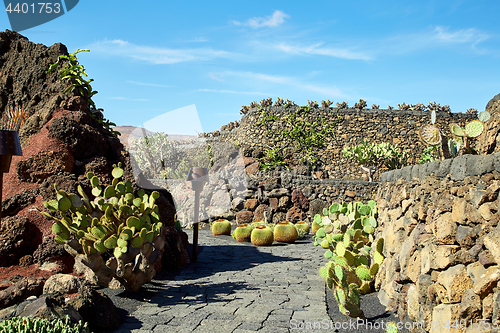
[[371, 156]]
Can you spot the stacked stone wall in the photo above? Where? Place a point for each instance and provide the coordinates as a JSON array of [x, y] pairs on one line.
[[393, 126], [442, 243]]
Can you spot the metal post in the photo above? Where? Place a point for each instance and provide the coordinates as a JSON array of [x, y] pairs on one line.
[[198, 177], [195, 224]]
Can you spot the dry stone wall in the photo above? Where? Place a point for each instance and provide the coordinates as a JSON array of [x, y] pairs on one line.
[[393, 126], [440, 225]]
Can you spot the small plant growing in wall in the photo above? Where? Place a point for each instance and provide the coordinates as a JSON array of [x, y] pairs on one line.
[[75, 73], [297, 132], [371, 156], [360, 105], [326, 104], [346, 232]]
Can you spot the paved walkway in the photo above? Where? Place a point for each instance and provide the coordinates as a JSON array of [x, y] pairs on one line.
[[238, 288]]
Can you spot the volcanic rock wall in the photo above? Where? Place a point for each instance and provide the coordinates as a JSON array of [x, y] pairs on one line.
[[393, 126], [60, 144], [442, 243]]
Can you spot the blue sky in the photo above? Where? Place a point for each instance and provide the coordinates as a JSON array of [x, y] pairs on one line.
[[152, 57]]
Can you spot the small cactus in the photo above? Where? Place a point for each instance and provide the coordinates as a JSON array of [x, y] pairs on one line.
[[360, 105], [242, 232], [326, 104], [342, 105], [312, 104], [285, 232], [221, 227], [262, 235]]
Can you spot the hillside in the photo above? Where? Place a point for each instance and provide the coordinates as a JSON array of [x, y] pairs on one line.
[[127, 131]]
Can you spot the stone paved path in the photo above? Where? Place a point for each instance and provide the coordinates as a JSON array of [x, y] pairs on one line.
[[238, 288]]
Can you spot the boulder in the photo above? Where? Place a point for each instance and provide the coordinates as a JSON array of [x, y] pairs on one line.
[[17, 238], [26, 287], [63, 284], [489, 141], [96, 308]]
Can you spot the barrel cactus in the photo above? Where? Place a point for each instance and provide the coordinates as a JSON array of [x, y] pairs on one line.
[[302, 226], [242, 232], [116, 238], [347, 234], [221, 227], [262, 235], [285, 232]]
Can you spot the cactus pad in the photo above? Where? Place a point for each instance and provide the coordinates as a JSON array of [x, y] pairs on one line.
[[369, 229], [378, 257], [339, 272], [374, 269], [341, 296], [364, 210], [456, 130], [474, 128], [323, 272], [334, 208], [363, 273], [484, 116], [340, 249], [430, 135]]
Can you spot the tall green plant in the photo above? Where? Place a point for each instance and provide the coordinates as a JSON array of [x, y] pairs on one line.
[[371, 156], [75, 73]]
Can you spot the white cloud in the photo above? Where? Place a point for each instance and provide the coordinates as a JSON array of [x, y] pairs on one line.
[[471, 35], [130, 99], [274, 20], [431, 38], [327, 91], [317, 50], [150, 84], [158, 55], [233, 92]]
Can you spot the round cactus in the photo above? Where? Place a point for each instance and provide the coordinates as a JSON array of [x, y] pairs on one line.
[[303, 226], [221, 227], [285, 232], [474, 128], [430, 135], [242, 232], [262, 236]]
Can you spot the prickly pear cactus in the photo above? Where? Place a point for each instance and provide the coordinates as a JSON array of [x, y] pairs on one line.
[[116, 238], [347, 234], [459, 143]]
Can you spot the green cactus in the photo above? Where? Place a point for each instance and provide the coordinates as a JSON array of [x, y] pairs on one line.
[[106, 226], [347, 234], [39, 325], [459, 143]]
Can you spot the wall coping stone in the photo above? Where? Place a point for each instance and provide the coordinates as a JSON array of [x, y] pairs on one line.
[[458, 168]]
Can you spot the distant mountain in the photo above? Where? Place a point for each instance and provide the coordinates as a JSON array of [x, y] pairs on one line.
[[127, 131]]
